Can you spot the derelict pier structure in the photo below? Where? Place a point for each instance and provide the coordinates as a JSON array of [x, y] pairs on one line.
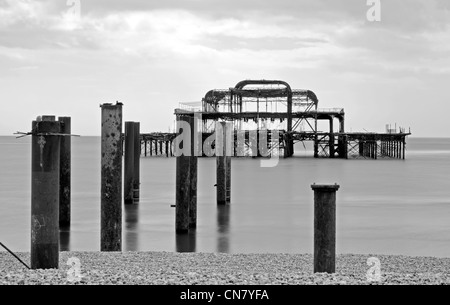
[[255, 106]]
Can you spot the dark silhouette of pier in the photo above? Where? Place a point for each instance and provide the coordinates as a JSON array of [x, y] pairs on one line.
[[255, 106]]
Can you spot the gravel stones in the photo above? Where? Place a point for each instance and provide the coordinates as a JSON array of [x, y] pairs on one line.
[[160, 268]]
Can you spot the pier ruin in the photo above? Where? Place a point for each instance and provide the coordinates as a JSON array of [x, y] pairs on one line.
[[255, 106]]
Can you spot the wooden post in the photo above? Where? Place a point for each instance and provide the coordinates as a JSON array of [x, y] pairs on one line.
[[45, 194], [111, 173], [65, 172], [325, 228], [193, 168], [137, 162], [183, 180], [129, 162], [151, 148]]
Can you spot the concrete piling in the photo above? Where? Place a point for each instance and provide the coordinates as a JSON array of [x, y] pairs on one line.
[[65, 173], [111, 178], [45, 195], [325, 228]]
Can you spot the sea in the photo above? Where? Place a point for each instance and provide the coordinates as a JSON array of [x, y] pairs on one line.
[[384, 206]]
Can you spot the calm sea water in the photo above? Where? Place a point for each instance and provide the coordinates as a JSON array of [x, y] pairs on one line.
[[384, 206]]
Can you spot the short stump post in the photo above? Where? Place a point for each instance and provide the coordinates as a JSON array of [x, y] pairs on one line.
[[325, 228], [45, 173]]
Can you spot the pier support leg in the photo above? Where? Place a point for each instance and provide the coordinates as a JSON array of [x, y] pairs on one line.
[[325, 228], [111, 173], [223, 162], [186, 182], [129, 162], [193, 168], [65, 173], [137, 163], [45, 194]]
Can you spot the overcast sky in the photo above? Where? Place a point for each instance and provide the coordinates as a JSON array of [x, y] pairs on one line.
[[152, 55]]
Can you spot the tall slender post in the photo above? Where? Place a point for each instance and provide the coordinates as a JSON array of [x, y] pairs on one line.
[[325, 228], [137, 162], [65, 173], [221, 163], [111, 173], [45, 193], [193, 168], [129, 162], [183, 177]]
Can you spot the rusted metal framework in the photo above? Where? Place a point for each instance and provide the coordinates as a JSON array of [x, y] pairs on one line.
[[255, 106]]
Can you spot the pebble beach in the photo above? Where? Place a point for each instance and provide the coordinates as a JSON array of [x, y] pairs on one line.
[[161, 268]]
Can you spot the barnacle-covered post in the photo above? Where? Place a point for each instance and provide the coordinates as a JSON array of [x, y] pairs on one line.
[[45, 174], [111, 175]]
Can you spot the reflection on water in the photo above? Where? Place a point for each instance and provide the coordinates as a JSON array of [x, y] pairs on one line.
[[223, 228], [64, 239], [131, 227], [384, 206], [186, 242]]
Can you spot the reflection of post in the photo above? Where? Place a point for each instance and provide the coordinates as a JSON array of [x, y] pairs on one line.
[[111, 172], [223, 228], [45, 194], [186, 243], [324, 228], [131, 242], [129, 162], [65, 169], [64, 239]]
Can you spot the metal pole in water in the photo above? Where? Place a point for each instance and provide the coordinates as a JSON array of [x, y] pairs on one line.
[[45, 186], [325, 228], [111, 173]]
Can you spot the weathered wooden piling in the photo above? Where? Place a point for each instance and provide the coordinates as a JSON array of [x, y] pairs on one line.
[[193, 168], [45, 193], [184, 178], [223, 163], [129, 162], [65, 173], [111, 173], [137, 163], [325, 228]]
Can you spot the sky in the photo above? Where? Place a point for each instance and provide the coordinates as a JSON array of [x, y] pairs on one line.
[[153, 55]]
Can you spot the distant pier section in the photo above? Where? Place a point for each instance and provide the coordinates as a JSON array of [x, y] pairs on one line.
[[256, 106]]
